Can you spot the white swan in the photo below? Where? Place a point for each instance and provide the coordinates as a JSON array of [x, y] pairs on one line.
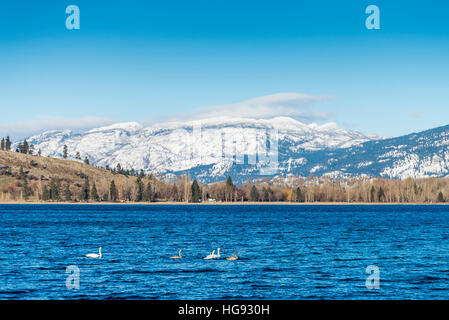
[[178, 256], [211, 256], [95, 255], [233, 258]]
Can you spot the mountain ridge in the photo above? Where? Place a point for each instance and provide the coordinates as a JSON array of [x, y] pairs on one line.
[[213, 148], [172, 147]]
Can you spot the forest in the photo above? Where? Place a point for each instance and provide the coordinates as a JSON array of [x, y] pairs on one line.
[[139, 187], [25, 176]]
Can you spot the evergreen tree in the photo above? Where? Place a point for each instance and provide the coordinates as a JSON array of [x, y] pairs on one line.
[[86, 190], [23, 147], [45, 194], [94, 194], [298, 195], [229, 189], [31, 149], [59, 187], [139, 195], [78, 156], [265, 195], [149, 193], [372, 192], [254, 195], [8, 144], [64, 152], [86, 160], [39, 153], [54, 190], [113, 192], [2, 146], [26, 189], [380, 194], [67, 193], [440, 197], [196, 191]]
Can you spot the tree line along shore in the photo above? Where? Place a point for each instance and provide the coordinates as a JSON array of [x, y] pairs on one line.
[[28, 177]]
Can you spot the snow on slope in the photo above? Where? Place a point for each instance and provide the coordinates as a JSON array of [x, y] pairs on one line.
[[417, 155], [180, 146], [214, 148]]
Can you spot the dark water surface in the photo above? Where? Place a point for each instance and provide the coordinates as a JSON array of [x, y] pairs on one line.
[[286, 252]]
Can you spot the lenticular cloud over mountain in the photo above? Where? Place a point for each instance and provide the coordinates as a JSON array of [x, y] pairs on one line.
[[296, 105]]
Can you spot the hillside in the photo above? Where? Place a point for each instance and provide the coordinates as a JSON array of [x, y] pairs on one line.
[[39, 171], [32, 178]]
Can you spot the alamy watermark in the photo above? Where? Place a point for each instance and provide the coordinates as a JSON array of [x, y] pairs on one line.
[[373, 280], [256, 147], [373, 20], [73, 279], [72, 22]]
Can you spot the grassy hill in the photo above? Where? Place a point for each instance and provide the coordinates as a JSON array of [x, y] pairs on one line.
[[39, 171]]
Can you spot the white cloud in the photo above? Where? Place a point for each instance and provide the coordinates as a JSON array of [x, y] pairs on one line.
[[295, 105], [24, 129]]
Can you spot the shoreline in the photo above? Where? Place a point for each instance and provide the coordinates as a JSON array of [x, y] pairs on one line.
[[239, 203]]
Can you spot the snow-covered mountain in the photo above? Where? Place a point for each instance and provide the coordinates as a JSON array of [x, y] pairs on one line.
[[209, 147], [246, 148], [416, 155]]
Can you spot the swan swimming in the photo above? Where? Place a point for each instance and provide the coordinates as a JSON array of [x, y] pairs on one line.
[[211, 256], [232, 258], [178, 256], [95, 255]]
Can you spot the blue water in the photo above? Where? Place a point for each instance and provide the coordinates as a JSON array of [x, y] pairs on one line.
[[286, 252]]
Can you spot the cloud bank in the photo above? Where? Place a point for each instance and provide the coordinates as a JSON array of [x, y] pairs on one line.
[[296, 105], [300, 106]]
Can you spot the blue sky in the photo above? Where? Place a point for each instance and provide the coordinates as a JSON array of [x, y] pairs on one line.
[[148, 60]]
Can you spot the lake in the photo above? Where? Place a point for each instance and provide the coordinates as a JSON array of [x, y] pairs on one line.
[[285, 251]]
